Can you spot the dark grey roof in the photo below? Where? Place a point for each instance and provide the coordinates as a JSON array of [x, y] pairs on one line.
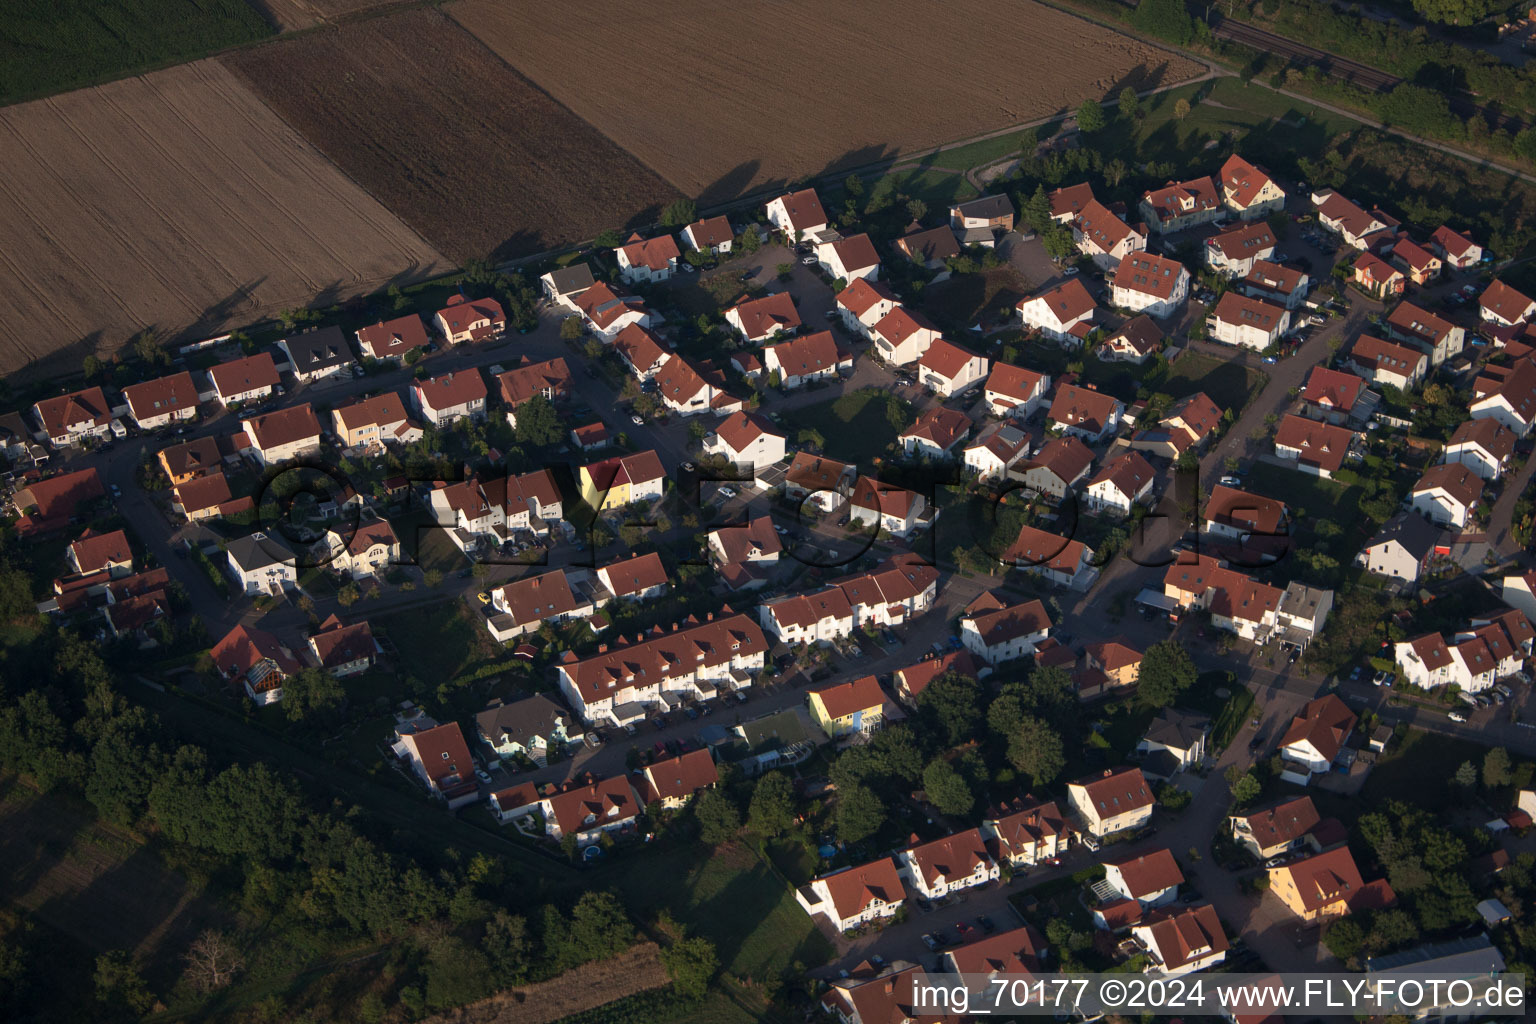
[[1475, 955], [317, 350], [522, 720], [1416, 534], [1160, 764], [1177, 729], [985, 206], [259, 551], [575, 278], [1142, 332]]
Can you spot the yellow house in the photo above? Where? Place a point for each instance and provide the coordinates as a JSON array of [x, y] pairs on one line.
[[1326, 885], [622, 480], [848, 708]]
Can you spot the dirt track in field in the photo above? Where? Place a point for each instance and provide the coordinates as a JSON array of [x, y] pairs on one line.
[[460, 146], [636, 970], [175, 200], [726, 98]]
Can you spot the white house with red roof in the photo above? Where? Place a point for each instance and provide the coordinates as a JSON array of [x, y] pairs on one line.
[[1086, 413], [746, 439], [711, 234], [1059, 560], [456, 395], [647, 260], [745, 555], [257, 659], [1138, 339], [1121, 483], [246, 380], [563, 285], [941, 867], [1455, 248], [1248, 322], [798, 214], [1148, 283], [1248, 190], [997, 449], [1064, 312], [1181, 204], [1283, 286], [525, 604], [1378, 278], [760, 320], [589, 807], [94, 552], [936, 433], [994, 632], [69, 419], [1182, 940], [1385, 362], [1115, 800], [1026, 831], [1335, 396], [470, 320], [368, 549], [1318, 734], [1507, 394], [891, 509], [344, 650], [283, 434], [949, 369], [863, 304], [1056, 468], [1015, 392], [638, 578], [855, 896], [1233, 252], [392, 340], [606, 312], [1421, 265], [674, 781], [1069, 201], [1104, 237], [1503, 305], [805, 359], [1447, 494], [1151, 878], [819, 481], [1484, 446], [1437, 336], [849, 259], [688, 390], [156, 403], [903, 336], [1359, 229], [641, 351]]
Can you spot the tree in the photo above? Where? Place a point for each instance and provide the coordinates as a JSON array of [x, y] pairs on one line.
[[1525, 144], [90, 366], [1496, 768], [538, 424], [571, 329], [457, 973], [1165, 19], [1036, 750], [212, 961], [149, 346], [610, 239], [348, 595], [1457, 12], [16, 601], [118, 983], [719, 821], [950, 708], [1167, 671], [917, 209], [751, 239], [1246, 790], [860, 813], [679, 213], [1090, 116], [1466, 775], [946, 789], [1344, 938], [1130, 103], [691, 964], [772, 810], [1181, 108], [311, 693]]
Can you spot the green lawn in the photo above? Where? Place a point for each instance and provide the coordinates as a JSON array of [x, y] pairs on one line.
[[1419, 770], [440, 642], [1229, 385], [1313, 502], [859, 426], [965, 299]]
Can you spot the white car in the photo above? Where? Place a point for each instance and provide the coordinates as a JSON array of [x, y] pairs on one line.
[[1070, 271], [809, 261], [727, 493], [1456, 716], [636, 420]]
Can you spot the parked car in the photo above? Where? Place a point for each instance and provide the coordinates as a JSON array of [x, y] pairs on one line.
[[636, 420], [1069, 271], [1457, 716], [931, 942], [691, 712], [1231, 481], [809, 261], [483, 775]]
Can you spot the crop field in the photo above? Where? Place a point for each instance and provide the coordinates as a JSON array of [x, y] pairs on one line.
[[472, 155], [174, 200], [724, 98], [591, 985]]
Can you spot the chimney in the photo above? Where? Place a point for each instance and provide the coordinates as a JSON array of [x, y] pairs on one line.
[[709, 616], [674, 627], [602, 648]]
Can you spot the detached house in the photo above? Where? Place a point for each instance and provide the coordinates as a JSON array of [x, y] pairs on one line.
[[622, 480], [393, 340], [1061, 561], [1317, 448], [1378, 278], [855, 896], [106, 553], [1421, 265], [1187, 426], [1327, 885], [1233, 253], [760, 320], [373, 423], [845, 709], [671, 783], [1148, 283], [1121, 483], [495, 507], [156, 403], [587, 810], [1275, 284], [748, 441], [456, 395], [936, 433], [369, 550], [642, 352], [245, 380], [1402, 548], [1484, 446], [685, 390], [1108, 666], [1251, 323], [1447, 494], [745, 555], [648, 260], [1015, 392], [1151, 879], [1182, 941], [1138, 339], [849, 259], [1083, 412], [1237, 515], [1382, 362], [949, 369], [995, 451], [902, 336], [1456, 249], [1104, 237], [533, 727], [1064, 312], [712, 234], [470, 320], [1278, 829], [318, 354], [344, 650], [257, 660], [863, 304], [1359, 229], [285, 434], [930, 247], [1113, 801], [1502, 305], [1026, 831], [1248, 190], [806, 359], [1181, 204], [1316, 736], [68, 419], [639, 578], [606, 312], [995, 633], [798, 214], [562, 286], [1069, 201], [525, 604], [888, 508], [819, 481], [549, 380], [949, 865], [980, 221], [1056, 468], [1237, 603], [262, 564], [1508, 396], [1336, 397], [1436, 336]]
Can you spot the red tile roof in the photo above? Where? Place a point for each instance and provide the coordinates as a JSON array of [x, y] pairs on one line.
[[1244, 311], [856, 252], [1320, 444], [392, 338], [93, 551], [1083, 407], [1502, 300], [61, 412], [1186, 934], [1283, 823], [1067, 457], [337, 645], [808, 354], [283, 426], [1116, 791], [652, 253], [1239, 509], [804, 209], [605, 800], [901, 323], [1036, 548], [1147, 874], [678, 778], [1452, 242], [635, 575], [707, 644], [914, 679], [1004, 624], [162, 396], [946, 359], [740, 429], [1067, 301], [952, 857], [853, 890], [862, 294], [940, 426], [761, 318], [451, 390], [1454, 479], [460, 313], [1325, 722], [249, 374], [1242, 181], [1244, 242], [843, 699], [1071, 199], [711, 231], [245, 647], [550, 378], [1421, 323], [1013, 382], [1129, 473], [1183, 198], [1099, 225]]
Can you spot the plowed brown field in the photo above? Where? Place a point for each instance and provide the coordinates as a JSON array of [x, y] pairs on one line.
[[464, 149], [723, 98], [175, 200]]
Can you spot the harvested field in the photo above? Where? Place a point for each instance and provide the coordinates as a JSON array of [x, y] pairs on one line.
[[175, 200], [467, 151], [591, 985], [726, 98], [290, 15]]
